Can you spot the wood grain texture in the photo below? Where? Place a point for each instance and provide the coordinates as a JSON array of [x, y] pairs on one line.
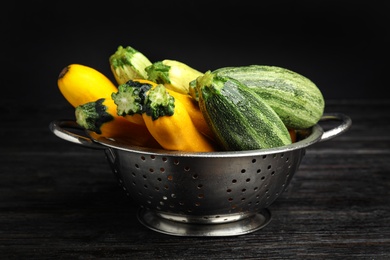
[[61, 201]]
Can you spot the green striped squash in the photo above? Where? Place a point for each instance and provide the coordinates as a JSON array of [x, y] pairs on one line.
[[295, 98], [240, 119]]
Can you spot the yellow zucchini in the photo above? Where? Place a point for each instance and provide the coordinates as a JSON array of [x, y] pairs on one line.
[[174, 74], [100, 117], [128, 63], [80, 84], [194, 112], [130, 98], [170, 124]]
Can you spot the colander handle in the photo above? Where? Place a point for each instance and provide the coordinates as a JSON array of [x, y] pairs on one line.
[[57, 127], [344, 125]]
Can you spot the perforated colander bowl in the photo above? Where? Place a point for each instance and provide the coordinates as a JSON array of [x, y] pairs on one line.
[[203, 194]]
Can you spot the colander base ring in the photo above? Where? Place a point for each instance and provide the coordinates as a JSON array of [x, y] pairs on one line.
[[153, 221]]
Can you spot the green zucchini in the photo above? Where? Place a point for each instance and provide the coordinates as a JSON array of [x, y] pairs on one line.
[[295, 98], [240, 119]]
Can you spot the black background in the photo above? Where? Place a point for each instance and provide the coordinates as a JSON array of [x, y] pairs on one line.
[[340, 45]]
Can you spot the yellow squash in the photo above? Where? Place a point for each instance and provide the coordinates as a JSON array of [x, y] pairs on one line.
[[176, 130], [80, 84], [194, 112], [100, 117], [190, 105]]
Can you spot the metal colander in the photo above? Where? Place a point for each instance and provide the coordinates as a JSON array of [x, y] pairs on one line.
[[203, 194]]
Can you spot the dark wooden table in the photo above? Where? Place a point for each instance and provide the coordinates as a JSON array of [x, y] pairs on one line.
[[61, 201]]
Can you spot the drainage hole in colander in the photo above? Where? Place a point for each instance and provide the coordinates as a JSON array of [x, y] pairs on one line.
[[152, 157], [264, 156], [195, 176], [162, 169], [272, 173], [243, 171], [187, 168], [151, 170], [176, 162], [159, 179], [253, 160], [136, 166], [234, 181], [201, 196], [229, 190], [258, 170], [144, 176], [170, 177], [269, 167], [143, 158], [248, 180], [200, 186], [157, 188]]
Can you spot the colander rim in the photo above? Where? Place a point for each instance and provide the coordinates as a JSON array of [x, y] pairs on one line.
[[314, 136]]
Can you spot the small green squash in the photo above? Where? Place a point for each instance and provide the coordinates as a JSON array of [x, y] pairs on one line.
[[240, 119]]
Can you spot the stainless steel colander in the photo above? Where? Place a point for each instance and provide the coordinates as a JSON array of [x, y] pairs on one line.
[[203, 194]]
